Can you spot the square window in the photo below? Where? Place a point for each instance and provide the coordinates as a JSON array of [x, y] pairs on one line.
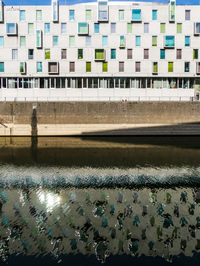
[[96, 27], [169, 41], [53, 67], [99, 54], [80, 53], [38, 14], [63, 53], [82, 28], [11, 28], [63, 28], [136, 15]]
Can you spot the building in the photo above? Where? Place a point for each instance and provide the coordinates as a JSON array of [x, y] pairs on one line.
[[100, 51]]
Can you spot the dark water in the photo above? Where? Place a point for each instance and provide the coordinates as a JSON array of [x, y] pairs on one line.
[[133, 201]]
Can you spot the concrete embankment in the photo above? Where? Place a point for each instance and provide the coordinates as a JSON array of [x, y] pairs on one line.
[[99, 118]]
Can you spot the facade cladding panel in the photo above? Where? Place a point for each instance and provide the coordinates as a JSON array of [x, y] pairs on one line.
[[99, 41]]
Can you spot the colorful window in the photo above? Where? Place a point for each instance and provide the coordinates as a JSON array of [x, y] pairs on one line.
[[105, 67], [187, 66], [47, 54], [154, 14], [155, 67], [80, 53], [22, 15], [136, 14], [71, 41], [195, 53], [11, 28], [88, 14], [162, 27], [47, 28], [121, 14], [88, 66], [88, 41], [30, 54], [162, 53], [122, 41], [1, 41], [187, 41], [63, 28], [138, 40], [96, 27], [1, 66], [187, 14], [129, 27], [71, 15], [105, 41], [38, 38], [113, 27], [113, 54], [30, 28], [99, 54], [38, 14], [154, 40], [102, 10], [55, 41], [22, 41], [179, 27], [170, 66], [14, 54], [169, 41], [172, 11], [83, 28], [22, 67]]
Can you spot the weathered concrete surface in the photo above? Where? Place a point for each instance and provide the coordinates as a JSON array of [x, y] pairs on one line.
[[100, 118]]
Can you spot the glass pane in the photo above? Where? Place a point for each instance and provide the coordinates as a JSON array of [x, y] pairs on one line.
[[138, 41], [80, 53], [22, 41], [71, 41], [38, 14], [1, 41], [162, 28], [179, 28], [187, 40], [47, 54], [63, 28], [169, 41], [113, 53], [88, 14], [162, 53], [47, 28], [154, 40], [82, 28], [1, 67], [105, 66], [96, 27], [122, 41], [71, 14], [129, 27], [170, 67], [105, 40], [99, 54], [154, 14], [88, 66], [30, 28], [121, 14], [136, 14], [22, 15], [39, 66]]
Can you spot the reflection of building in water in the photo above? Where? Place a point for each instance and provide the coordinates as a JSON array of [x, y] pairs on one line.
[[62, 221]]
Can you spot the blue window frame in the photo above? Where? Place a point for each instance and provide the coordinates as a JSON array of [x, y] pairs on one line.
[[154, 14], [96, 27], [105, 41], [22, 15], [71, 14], [39, 66], [136, 14], [1, 41], [138, 40], [187, 41], [162, 53], [169, 41], [47, 28], [1, 66], [113, 54]]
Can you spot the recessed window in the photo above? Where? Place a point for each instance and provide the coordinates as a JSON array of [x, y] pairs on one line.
[[113, 54], [129, 27], [104, 41], [82, 28], [11, 28], [146, 27], [122, 41], [113, 27], [14, 54], [80, 53], [88, 41], [30, 54], [136, 15], [137, 40], [172, 11], [187, 14], [22, 67], [162, 27], [71, 15], [178, 54], [55, 41], [71, 41], [155, 67], [129, 53], [96, 27], [198, 68], [63, 28], [1, 41], [99, 54], [170, 67], [53, 67], [187, 66], [154, 14], [179, 27], [154, 40], [187, 41], [88, 14], [72, 66], [146, 53], [38, 38], [39, 67], [169, 41], [38, 14], [47, 28], [63, 53], [105, 66], [47, 54], [121, 66], [162, 53], [1, 66], [22, 15], [88, 66], [197, 28], [195, 53], [137, 66], [121, 14], [22, 41], [30, 28]]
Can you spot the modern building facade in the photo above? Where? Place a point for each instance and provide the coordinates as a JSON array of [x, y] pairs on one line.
[[100, 51]]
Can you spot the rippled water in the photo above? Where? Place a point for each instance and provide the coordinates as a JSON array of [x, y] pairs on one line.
[[139, 214]]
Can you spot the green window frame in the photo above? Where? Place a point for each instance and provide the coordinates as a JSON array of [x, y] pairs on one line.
[[129, 27], [88, 66], [80, 53], [47, 54], [99, 54], [179, 27], [195, 53], [162, 27], [170, 66], [105, 66], [154, 40]]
